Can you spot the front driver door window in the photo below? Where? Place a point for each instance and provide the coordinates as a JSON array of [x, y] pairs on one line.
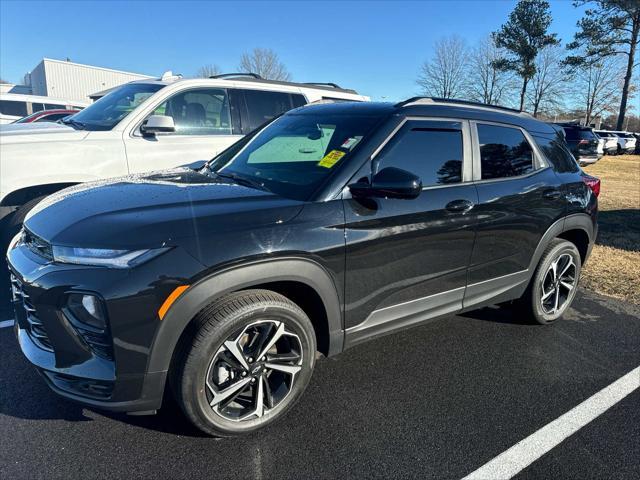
[[199, 112], [203, 121]]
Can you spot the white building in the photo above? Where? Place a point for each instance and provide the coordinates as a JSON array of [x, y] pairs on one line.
[[74, 81]]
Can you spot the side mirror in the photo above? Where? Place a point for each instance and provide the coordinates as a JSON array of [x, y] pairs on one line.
[[158, 124], [389, 182]]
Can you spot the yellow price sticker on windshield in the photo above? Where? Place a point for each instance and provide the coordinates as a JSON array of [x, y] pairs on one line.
[[331, 158]]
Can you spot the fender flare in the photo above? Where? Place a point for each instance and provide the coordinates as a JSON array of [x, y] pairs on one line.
[[577, 221], [26, 194], [206, 290]]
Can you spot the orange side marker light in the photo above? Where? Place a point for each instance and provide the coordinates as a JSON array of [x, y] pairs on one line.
[[162, 311]]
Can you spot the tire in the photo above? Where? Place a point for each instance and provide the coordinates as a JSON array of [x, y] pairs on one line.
[[14, 223], [567, 259], [226, 335]]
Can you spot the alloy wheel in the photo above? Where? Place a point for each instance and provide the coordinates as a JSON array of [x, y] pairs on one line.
[[253, 371], [558, 284]]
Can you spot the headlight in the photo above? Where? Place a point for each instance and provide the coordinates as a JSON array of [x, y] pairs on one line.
[[104, 257]]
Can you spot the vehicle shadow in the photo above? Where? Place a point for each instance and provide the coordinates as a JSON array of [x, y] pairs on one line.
[[169, 419], [619, 229], [505, 313]]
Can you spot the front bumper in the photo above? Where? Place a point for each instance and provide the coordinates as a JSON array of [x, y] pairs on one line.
[[113, 377]]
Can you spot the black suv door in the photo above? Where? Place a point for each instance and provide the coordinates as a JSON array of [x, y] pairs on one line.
[[408, 259], [520, 197]]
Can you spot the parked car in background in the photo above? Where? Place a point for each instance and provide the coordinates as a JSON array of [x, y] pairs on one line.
[[610, 141], [637, 150], [47, 116], [600, 148], [15, 106], [323, 230], [582, 142], [141, 126], [628, 144]]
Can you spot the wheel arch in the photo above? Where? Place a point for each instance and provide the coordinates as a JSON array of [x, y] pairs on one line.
[[291, 276], [23, 195], [578, 228]]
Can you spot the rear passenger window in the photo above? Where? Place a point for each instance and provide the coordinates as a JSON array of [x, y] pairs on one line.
[[37, 107], [51, 106], [504, 152], [13, 108], [431, 150], [262, 106]]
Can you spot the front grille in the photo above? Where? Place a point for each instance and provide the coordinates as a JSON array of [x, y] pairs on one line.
[[99, 343], [35, 328], [37, 245]]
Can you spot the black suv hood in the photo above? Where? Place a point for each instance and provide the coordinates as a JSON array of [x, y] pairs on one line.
[[153, 209]]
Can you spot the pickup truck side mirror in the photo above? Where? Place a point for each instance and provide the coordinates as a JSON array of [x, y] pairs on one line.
[[158, 124], [389, 182]]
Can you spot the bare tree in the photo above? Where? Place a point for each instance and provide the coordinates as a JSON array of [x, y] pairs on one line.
[[548, 84], [209, 70], [598, 86], [264, 62], [445, 74], [611, 28], [487, 83]]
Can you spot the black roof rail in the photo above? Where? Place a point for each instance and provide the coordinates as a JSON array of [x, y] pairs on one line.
[[458, 102], [326, 84], [237, 74]]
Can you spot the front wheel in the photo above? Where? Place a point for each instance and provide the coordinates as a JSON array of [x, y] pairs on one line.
[[250, 360], [554, 283]]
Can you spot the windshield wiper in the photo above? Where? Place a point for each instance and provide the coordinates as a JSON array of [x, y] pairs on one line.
[[74, 123], [247, 182]]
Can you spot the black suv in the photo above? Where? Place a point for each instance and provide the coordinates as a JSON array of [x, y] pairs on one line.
[[582, 142], [331, 225]]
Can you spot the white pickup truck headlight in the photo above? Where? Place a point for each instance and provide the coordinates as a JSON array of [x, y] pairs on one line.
[[104, 257]]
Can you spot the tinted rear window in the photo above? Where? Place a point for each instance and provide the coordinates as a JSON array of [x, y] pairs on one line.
[[555, 149], [504, 152], [11, 107], [579, 133], [262, 106]]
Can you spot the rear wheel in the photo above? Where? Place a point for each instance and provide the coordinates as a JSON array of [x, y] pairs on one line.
[[554, 284], [250, 361]]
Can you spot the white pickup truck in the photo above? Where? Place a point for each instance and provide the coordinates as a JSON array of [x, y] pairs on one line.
[[141, 126]]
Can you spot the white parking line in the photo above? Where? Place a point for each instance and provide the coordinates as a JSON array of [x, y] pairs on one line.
[[524, 453], [6, 324]]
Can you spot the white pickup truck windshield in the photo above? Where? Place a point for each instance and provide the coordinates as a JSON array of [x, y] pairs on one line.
[[110, 109]]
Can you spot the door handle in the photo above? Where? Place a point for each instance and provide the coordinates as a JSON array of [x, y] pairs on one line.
[[551, 194], [459, 206]]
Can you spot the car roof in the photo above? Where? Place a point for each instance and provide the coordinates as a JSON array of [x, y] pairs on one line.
[[328, 87], [467, 111]]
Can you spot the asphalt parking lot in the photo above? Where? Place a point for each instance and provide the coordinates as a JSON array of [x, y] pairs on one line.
[[438, 401]]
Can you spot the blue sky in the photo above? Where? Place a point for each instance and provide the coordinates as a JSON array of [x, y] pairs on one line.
[[374, 47]]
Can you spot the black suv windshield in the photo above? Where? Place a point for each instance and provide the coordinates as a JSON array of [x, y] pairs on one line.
[[296, 153], [113, 107]]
